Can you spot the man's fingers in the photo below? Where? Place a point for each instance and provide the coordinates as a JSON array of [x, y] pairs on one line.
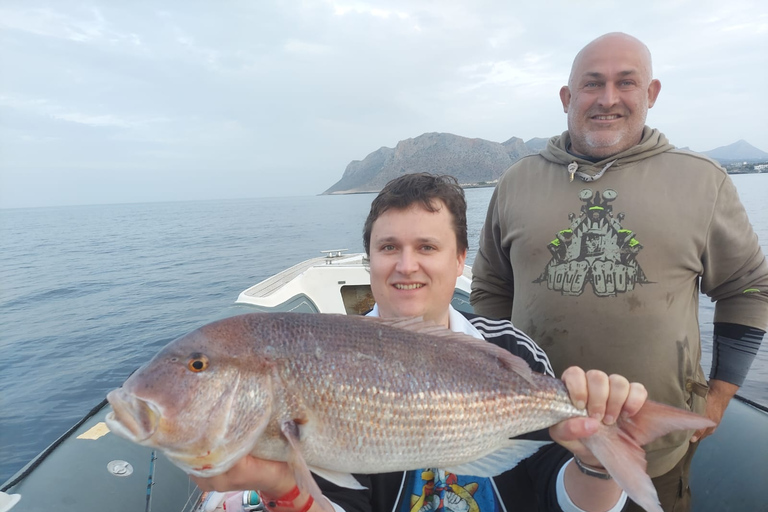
[[635, 400], [576, 381], [605, 398], [701, 434], [575, 428], [569, 434], [598, 390], [617, 395]]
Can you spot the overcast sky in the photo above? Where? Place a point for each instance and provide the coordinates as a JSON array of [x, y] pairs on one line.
[[109, 101]]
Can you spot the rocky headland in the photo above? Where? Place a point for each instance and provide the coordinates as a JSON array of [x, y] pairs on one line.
[[476, 162]]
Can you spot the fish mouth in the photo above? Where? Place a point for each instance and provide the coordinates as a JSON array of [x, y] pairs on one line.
[[131, 417]]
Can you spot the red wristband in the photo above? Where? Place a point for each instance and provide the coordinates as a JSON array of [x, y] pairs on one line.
[[286, 500]]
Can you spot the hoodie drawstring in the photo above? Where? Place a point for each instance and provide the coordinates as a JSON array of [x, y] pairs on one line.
[[573, 166]]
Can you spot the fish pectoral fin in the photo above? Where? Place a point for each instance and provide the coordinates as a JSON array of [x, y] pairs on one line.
[[503, 459], [301, 473], [340, 479]]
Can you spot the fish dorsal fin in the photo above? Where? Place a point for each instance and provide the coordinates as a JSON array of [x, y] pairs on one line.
[[414, 324], [421, 326], [503, 459]]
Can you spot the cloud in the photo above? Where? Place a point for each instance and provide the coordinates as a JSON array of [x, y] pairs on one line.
[[529, 72], [291, 92], [46, 108], [303, 47], [88, 27], [342, 8]]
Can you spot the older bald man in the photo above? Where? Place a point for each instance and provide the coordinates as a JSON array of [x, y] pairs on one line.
[[599, 246]]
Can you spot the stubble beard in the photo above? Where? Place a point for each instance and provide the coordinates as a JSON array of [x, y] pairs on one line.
[[604, 143], [599, 140]]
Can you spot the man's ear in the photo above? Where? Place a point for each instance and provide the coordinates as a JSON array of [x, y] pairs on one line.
[[654, 88], [565, 97], [461, 259]]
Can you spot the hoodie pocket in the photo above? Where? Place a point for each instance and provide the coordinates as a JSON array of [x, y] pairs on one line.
[[696, 395]]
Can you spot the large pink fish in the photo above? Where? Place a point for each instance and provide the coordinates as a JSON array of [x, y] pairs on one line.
[[339, 394]]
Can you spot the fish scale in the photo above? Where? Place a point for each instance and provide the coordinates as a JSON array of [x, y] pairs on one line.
[[406, 408]]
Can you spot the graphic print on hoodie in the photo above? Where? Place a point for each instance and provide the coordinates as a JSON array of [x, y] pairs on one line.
[[595, 250]]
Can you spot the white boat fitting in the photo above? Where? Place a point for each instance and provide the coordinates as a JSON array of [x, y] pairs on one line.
[[334, 283]]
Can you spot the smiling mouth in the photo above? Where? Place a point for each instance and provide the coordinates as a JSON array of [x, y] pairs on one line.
[[413, 286], [611, 117]]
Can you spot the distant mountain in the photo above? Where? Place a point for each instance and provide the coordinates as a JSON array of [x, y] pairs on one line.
[[537, 144], [741, 151], [471, 161]]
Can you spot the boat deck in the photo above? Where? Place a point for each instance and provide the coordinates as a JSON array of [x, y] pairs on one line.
[[90, 469], [276, 282]]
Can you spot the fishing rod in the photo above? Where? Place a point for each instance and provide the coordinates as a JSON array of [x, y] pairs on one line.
[[150, 483]]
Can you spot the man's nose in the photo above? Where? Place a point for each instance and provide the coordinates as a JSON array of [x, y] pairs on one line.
[[610, 95], [407, 263]]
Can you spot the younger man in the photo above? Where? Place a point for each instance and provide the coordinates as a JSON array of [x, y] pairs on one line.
[[416, 238]]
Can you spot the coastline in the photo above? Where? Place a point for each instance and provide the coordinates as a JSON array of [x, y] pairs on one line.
[[487, 184]]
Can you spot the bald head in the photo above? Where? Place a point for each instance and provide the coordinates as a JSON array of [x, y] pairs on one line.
[[614, 40], [609, 92]]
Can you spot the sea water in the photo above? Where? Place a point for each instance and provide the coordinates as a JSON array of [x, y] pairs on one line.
[[89, 293]]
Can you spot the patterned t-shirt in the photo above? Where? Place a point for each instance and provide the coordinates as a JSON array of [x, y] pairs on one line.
[[434, 490]]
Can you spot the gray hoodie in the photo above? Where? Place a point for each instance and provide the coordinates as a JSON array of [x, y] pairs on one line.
[[604, 270]]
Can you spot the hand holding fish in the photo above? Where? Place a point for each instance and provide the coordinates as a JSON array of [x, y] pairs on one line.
[[605, 398], [272, 477]]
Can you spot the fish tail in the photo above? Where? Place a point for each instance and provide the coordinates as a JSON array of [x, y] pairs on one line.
[[655, 420], [618, 447]]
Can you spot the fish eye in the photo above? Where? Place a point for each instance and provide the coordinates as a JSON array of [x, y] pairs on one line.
[[198, 363]]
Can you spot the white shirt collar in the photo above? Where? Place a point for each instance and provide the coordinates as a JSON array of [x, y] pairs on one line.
[[456, 322]]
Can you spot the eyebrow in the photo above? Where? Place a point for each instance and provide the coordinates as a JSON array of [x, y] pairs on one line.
[[595, 74], [392, 239]]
